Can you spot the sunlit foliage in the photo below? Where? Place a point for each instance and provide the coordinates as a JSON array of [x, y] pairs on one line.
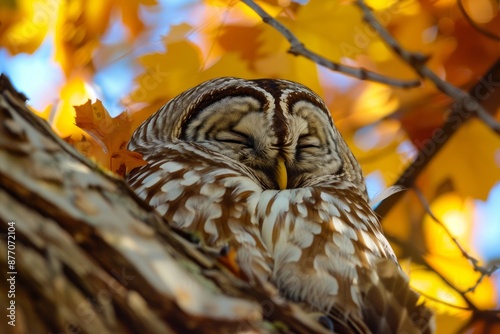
[[136, 55]]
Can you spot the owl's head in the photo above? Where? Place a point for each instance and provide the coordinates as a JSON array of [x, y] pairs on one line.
[[282, 131]]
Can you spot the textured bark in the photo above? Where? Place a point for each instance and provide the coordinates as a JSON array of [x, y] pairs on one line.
[[91, 257]]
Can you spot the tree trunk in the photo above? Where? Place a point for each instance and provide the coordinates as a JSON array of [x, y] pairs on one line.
[[80, 253]]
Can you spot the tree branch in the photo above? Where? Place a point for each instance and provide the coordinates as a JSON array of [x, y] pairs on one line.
[[88, 256], [416, 256], [298, 48], [417, 61], [480, 29], [485, 272], [488, 97]]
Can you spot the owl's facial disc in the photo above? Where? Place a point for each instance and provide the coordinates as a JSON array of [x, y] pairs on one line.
[[284, 148]]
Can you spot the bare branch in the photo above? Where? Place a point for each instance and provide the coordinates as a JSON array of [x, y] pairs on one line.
[[442, 302], [77, 230], [416, 255], [475, 262], [460, 114], [417, 61], [297, 48], [480, 29]]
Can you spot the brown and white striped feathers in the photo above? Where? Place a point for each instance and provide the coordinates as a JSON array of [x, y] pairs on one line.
[[260, 166]]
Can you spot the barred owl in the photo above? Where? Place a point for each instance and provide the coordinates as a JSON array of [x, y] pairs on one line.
[[259, 166]]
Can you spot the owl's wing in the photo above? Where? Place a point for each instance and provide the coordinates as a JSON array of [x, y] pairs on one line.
[[390, 306], [329, 252], [199, 191]]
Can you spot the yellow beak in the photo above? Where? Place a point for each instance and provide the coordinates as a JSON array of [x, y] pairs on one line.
[[281, 174]]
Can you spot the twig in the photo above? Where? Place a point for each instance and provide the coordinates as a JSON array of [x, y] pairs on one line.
[[442, 302], [417, 61], [480, 29], [416, 255], [297, 48], [482, 270], [440, 136]]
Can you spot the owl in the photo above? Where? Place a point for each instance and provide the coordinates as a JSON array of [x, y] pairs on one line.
[[259, 166]]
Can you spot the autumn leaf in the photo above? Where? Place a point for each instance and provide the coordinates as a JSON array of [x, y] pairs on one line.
[[468, 176], [130, 13], [160, 81], [124, 161], [81, 24], [88, 147], [112, 135], [96, 121], [385, 126], [24, 24]]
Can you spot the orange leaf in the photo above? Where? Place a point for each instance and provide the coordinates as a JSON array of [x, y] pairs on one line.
[[87, 146], [112, 134], [124, 161]]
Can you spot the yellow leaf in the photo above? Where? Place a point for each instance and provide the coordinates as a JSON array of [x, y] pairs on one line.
[[376, 102], [467, 161], [377, 149], [124, 161], [400, 223], [168, 74], [481, 11], [328, 28], [380, 4], [229, 65], [446, 303], [447, 258], [75, 92], [130, 13], [440, 297], [24, 24], [242, 40], [273, 8], [46, 113], [178, 33], [88, 147], [81, 24], [459, 272], [456, 216]]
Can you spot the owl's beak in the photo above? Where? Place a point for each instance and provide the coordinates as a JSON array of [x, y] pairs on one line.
[[281, 174]]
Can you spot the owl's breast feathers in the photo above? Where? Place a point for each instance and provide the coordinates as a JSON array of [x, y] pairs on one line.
[[321, 244]]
